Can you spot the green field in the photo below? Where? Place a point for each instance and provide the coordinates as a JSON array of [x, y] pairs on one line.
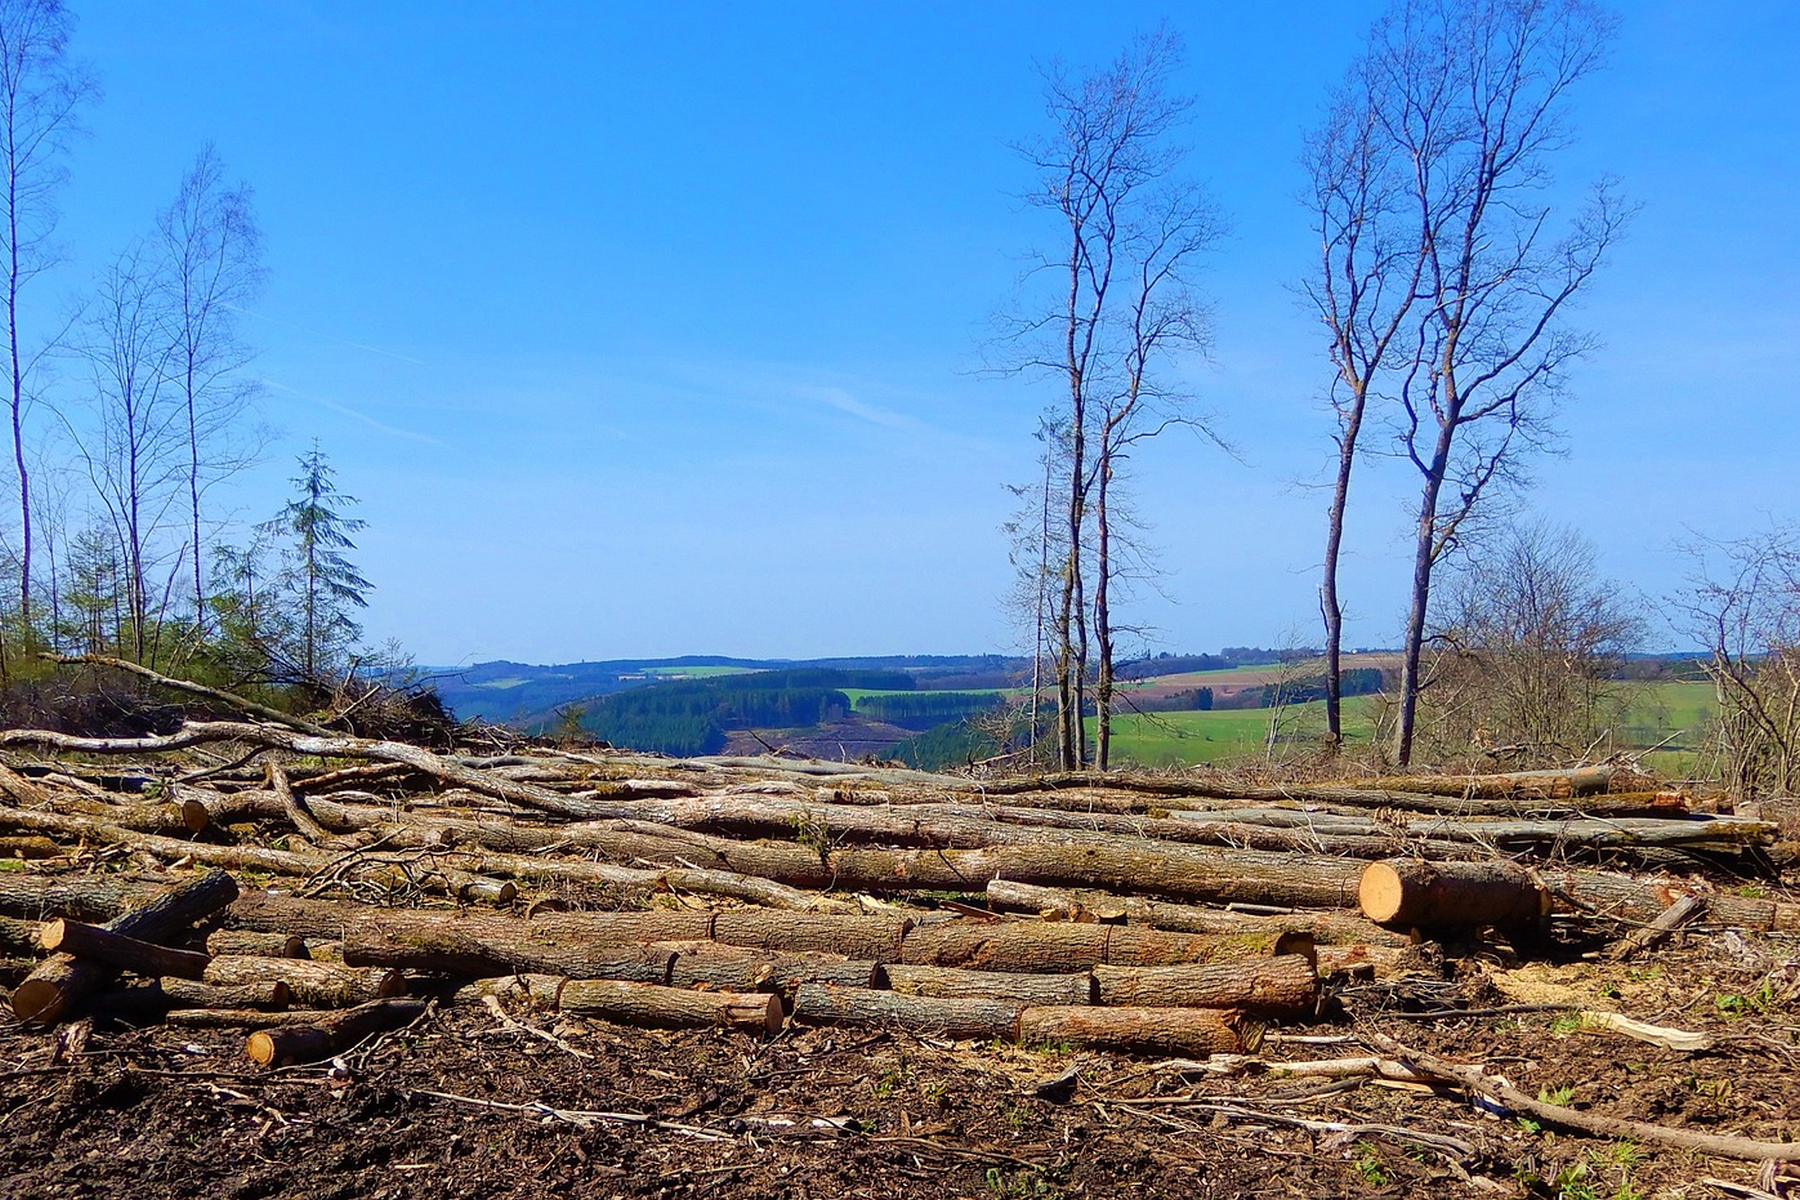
[[1671, 716]]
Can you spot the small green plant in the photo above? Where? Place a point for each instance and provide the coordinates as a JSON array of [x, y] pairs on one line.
[[1760, 1002], [1018, 1117], [1559, 1096], [1368, 1166], [1027, 1183], [893, 1080], [1575, 1182], [937, 1090], [1566, 1024]]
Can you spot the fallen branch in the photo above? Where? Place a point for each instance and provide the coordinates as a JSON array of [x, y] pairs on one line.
[[1594, 1124]]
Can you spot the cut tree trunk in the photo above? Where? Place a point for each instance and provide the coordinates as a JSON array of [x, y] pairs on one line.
[[952, 983], [876, 939], [757, 1013], [331, 1036], [1189, 1032], [1108, 908], [822, 1004], [452, 952], [541, 991], [1284, 986], [738, 969], [120, 952], [313, 984], [1407, 892], [61, 980]]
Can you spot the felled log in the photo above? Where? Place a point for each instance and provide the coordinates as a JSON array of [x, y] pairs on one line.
[[156, 999], [314, 984], [1110, 908], [18, 938], [1436, 895], [823, 1004], [953, 983], [333, 919], [1555, 785], [756, 1013], [119, 951], [1192, 1032], [84, 897], [330, 1036], [543, 991], [1287, 985], [30, 847], [248, 941], [1685, 909], [452, 952], [740, 969], [874, 938], [1061, 947], [60, 980], [1642, 899]]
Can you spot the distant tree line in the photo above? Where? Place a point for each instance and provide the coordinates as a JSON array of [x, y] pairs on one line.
[[922, 710]]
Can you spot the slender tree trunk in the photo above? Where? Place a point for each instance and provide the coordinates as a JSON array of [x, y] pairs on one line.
[[1103, 635], [1329, 602], [1425, 551]]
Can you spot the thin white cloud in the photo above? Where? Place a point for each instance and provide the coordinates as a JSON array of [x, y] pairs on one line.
[[843, 401], [329, 337], [354, 414]]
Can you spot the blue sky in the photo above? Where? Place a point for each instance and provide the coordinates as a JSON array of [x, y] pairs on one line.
[[652, 332]]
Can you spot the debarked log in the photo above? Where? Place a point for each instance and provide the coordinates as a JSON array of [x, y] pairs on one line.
[[756, 1013], [824, 1004], [1439, 895], [313, 984], [331, 1035], [60, 980], [1190, 1032], [1287, 985]]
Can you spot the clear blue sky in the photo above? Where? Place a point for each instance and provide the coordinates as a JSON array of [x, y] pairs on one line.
[[651, 332]]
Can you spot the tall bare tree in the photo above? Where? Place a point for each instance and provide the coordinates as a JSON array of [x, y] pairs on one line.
[[1133, 234], [1452, 119], [213, 253], [41, 94], [1369, 268]]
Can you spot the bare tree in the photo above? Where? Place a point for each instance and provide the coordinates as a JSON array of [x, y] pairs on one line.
[[1528, 650], [1468, 97], [1134, 232], [213, 252], [1742, 604], [1369, 268], [41, 93], [133, 449]]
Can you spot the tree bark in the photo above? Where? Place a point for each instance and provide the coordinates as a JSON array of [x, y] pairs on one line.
[[951, 983], [1287, 985], [331, 1036], [61, 980], [755, 1013], [1108, 908], [1190, 1032], [1438, 895], [312, 984], [118, 951], [451, 952], [963, 1018]]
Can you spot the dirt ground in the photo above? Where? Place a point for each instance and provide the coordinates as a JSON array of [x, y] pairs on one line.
[[466, 1103]]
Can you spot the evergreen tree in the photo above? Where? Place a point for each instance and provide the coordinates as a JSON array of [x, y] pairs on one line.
[[322, 583]]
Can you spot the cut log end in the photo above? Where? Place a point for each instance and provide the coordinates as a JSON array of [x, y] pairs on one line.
[[38, 1000], [261, 1048], [1381, 892]]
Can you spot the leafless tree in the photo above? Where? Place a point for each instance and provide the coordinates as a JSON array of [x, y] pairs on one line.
[[41, 94], [1134, 233], [1369, 268], [1528, 649], [1467, 100], [133, 448], [1742, 603], [212, 252]]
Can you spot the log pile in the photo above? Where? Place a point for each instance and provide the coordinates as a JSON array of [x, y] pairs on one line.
[[1160, 915]]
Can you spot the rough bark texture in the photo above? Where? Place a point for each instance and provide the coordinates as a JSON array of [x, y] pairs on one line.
[[952, 983], [61, 980], [678, 1008], [1110, 908], [315, 985], [116, 950], [1192, 1032], [1284, 986], [822, 1004]]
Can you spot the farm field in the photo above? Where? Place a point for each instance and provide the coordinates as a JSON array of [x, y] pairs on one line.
[[1670, 717]]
